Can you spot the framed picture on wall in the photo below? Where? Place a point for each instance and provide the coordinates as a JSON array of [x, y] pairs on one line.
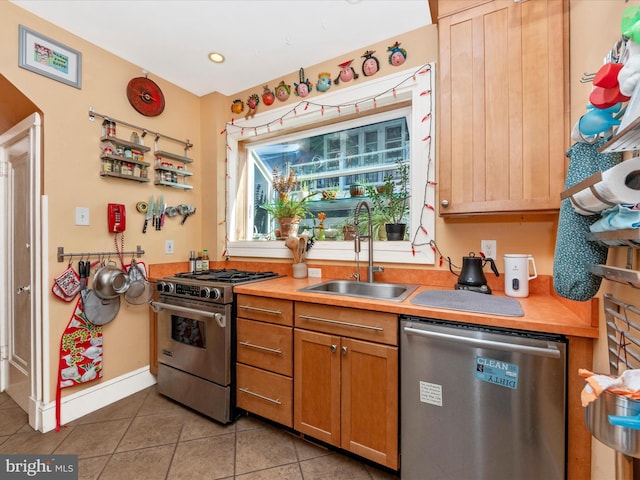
[[47, 57]]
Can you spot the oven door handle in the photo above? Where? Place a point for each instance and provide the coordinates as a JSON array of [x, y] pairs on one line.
[[159, 306]]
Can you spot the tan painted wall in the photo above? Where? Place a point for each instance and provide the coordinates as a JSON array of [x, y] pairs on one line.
[[70, 174]]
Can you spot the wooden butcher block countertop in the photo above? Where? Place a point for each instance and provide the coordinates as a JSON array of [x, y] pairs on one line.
[[542, 313]]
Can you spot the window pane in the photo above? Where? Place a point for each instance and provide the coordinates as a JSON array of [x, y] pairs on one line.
[[330, 165]]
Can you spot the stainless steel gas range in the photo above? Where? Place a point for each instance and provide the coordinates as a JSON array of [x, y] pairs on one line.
[[196, 338]]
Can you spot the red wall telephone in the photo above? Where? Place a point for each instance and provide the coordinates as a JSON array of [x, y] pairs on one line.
[[117, 217]]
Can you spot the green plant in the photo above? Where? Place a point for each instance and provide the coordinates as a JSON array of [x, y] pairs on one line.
[[289, 206], [391, 200]]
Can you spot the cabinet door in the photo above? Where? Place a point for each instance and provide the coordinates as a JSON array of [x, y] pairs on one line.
[[503, 107], [370, 401], [316, 406]]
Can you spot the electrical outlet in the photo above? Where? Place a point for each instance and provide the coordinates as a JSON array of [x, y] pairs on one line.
[[168, 247], [489, 248], [82, 216], [314, 272]]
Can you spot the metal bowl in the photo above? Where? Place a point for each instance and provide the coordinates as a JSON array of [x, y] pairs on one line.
[[110, 281], [596, 417]]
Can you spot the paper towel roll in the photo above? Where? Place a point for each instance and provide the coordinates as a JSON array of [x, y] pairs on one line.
[[620, 184]]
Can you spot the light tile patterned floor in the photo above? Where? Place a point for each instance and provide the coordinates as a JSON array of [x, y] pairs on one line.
[[149, 437]]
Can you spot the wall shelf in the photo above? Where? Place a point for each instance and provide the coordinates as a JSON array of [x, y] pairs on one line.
[[173, 156], [625, 140], [183, 186], [124, 176], [125, 143], [617, 274]]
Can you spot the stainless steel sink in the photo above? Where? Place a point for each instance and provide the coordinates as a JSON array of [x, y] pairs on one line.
[[394, 292]]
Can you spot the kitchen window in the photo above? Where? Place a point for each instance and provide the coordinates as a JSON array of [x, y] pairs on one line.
[[330, 149], [329, 163]]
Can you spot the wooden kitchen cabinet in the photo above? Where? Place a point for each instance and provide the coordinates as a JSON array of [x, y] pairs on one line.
[[264, 362], [346, 389], [503, 112]]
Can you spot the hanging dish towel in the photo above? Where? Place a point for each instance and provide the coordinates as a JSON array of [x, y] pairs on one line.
[[80, 354], [573, 252]]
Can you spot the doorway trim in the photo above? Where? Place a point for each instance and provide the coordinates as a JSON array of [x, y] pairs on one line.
[[31, 127]]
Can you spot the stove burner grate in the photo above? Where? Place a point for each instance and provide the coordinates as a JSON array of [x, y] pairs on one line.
[[227, 275]]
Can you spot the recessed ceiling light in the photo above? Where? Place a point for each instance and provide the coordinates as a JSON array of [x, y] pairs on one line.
[[216, 57]]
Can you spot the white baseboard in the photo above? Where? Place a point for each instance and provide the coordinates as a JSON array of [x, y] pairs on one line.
[[92, 398]]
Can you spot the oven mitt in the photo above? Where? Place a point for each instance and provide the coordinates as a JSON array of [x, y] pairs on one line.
[[66, 285], [573, 252]]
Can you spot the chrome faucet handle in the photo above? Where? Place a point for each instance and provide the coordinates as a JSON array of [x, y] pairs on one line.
[[355, 276], [378, 268]]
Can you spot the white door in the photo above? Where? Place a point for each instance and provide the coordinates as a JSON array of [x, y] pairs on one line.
[[20, 295]]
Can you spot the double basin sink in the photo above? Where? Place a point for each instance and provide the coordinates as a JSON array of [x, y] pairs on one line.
[[393, 292]]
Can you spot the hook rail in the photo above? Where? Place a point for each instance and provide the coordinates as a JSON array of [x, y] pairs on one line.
[[92, 113], [138, 252]]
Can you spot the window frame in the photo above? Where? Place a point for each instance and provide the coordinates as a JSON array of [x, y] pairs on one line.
[[400, 89]]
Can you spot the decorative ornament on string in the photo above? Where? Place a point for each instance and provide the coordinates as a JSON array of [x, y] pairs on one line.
[[324, 82], [397, 55], [347, 73], [283, 91], [237, 106], [145, 96], [370, 65], [252, 104], [267, 96], [304, 87]]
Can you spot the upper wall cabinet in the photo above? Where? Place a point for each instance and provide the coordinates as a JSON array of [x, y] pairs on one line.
[[503, 106]]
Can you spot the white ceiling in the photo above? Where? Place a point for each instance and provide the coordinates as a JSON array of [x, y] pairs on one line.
[[261, 39]]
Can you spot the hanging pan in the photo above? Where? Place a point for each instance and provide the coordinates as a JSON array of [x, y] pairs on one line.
[[98, 311], [140, 290]]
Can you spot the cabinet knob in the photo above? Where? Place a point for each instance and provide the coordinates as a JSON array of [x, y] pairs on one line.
[[444, 203], [343, 350], [333, 348]]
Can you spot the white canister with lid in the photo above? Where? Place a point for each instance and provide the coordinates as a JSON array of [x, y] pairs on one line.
[[516, 274]]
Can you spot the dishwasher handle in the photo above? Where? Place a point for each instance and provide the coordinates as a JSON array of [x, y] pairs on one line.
[[551, 351]]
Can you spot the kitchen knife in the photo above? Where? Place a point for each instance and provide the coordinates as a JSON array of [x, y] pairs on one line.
[[148, 215], [160, 213]]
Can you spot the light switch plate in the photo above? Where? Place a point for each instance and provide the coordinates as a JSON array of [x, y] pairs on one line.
[[168, 247], [82, 216]]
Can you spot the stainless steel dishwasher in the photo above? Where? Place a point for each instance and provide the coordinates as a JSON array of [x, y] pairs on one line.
[[481, 403]]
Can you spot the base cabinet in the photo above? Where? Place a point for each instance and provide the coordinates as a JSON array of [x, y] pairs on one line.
[[264, 358], [346, 394]]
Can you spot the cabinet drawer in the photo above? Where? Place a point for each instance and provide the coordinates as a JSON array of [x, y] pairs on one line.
[[265, 345], [378, 327], [266, 394], [272, 310]]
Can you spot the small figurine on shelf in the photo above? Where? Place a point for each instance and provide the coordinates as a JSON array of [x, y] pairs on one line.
[[321, 217]]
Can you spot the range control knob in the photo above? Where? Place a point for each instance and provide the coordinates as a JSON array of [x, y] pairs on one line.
[[165, 287], [205, 292], [215, 294]]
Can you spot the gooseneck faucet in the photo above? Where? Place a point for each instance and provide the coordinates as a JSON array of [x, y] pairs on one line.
[[369, 236]]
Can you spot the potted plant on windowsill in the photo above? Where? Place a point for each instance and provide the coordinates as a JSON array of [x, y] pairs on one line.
[[288, 211], [289, 207], [391, 201]]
